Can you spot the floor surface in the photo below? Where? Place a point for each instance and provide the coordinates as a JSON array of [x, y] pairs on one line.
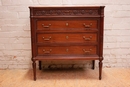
[[111, 77]]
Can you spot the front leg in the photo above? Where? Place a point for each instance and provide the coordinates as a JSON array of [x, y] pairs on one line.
[[100, 69], [34, 69]]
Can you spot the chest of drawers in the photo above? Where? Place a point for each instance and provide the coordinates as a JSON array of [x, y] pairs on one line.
[[67, 33]]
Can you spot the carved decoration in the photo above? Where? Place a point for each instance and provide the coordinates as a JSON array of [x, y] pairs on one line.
[[65, 12]]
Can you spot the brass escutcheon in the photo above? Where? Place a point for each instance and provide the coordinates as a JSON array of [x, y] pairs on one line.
[[67, 50], [67, 24], [67, 37]]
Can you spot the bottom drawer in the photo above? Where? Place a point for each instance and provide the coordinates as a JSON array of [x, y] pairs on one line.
[[67, 50]]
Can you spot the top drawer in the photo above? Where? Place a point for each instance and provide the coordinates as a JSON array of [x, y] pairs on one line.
[[67, 25], [86, 11]]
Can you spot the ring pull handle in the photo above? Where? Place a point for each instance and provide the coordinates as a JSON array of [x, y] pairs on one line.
[[87, 38], [47, 51], [45, 26], [46, 39], [87, 25]]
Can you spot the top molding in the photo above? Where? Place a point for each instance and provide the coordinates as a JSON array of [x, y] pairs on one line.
[[91, 11]]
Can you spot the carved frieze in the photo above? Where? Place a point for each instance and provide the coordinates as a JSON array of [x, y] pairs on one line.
[[65, 12]]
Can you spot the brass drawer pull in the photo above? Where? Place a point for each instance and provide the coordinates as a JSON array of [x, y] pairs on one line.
[[87, 51], [47, 51], [46, 39], [46, 26], [87, 38], [87, 26]]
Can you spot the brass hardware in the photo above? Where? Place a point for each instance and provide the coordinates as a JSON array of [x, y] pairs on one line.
[[46, 26], [87, 51], [90, 49], [67, 37], [87, 38], [67, 24], [87, 26], [47, 51], [46, 39], [67, 50]]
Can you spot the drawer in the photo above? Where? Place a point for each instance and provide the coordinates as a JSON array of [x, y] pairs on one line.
[[77, 50], [67, 25], [69, 37]]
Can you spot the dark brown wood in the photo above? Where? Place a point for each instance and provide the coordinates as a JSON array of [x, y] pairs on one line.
[[68, 50], [100, 69], [34, 69], [53, 25], [67, 37], [93, 64], [67, 33], [67, 57], [40, 65]]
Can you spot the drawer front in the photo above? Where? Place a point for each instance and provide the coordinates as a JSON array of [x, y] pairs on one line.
[[67, 25], [66, 11], [73, 37], [77, 50]]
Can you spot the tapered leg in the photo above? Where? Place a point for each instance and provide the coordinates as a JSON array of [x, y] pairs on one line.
[[40, 65], [93, 64], [100, 69], [34, 70]]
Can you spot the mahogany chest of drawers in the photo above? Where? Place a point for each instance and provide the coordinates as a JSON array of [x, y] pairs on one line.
[[67, 33]]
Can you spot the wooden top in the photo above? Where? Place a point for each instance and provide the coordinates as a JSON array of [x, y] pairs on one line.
[[65, 6]]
